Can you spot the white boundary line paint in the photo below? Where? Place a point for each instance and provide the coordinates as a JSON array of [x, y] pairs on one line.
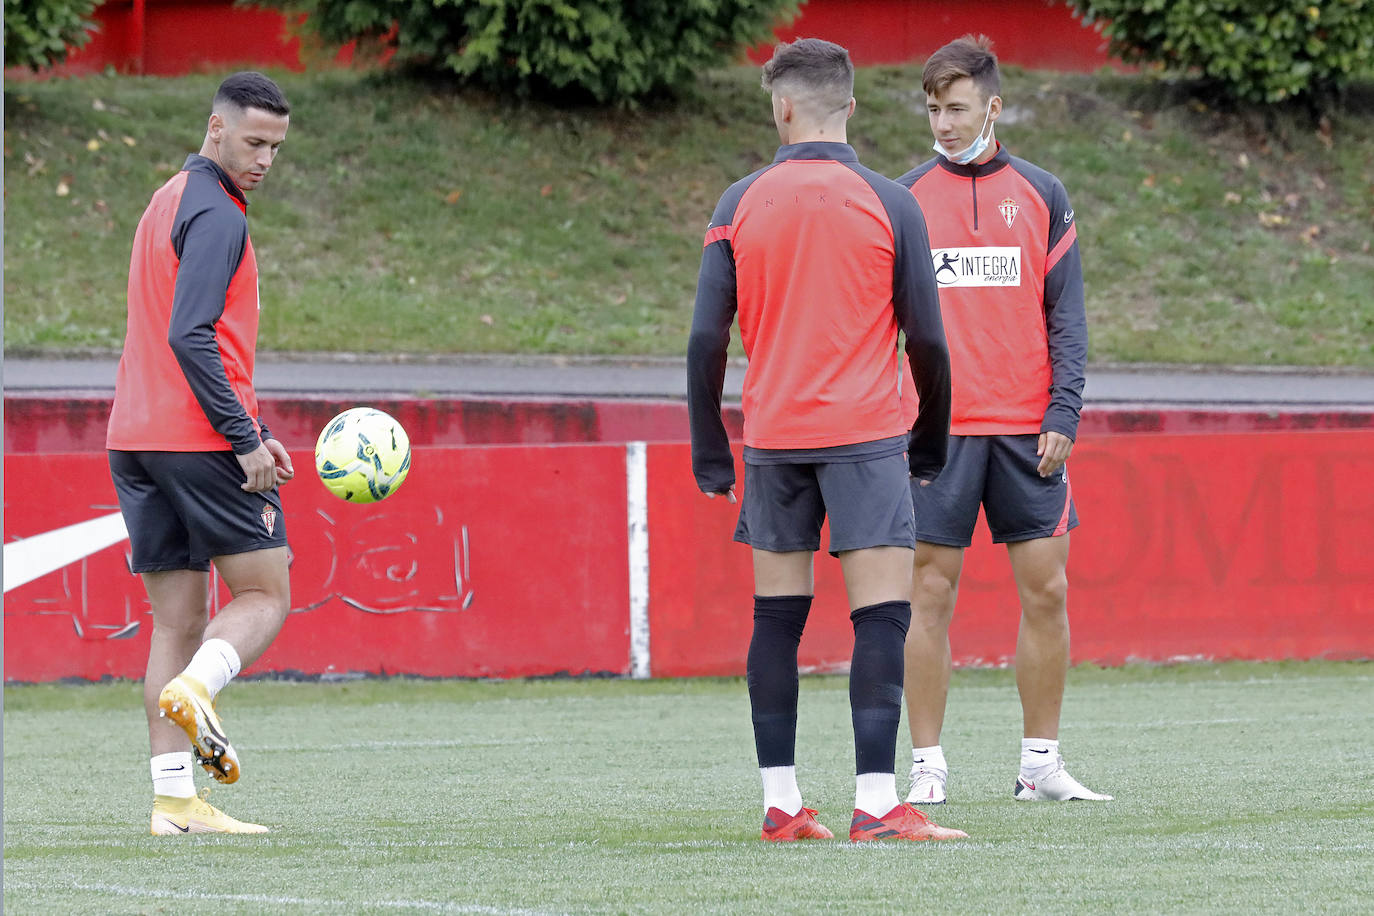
[[29, 558], [637, 512], [120, 890]]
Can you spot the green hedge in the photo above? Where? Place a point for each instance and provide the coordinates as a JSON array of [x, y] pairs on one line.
[[39, 33], [1254, 50], [604, 50]]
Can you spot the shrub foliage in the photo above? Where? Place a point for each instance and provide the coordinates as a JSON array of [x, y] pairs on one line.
[[605, 50], [1254, 50], [39, 33]]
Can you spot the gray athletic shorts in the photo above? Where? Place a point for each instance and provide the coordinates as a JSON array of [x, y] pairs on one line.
[[182, 508], [999, 473], [866, 498]]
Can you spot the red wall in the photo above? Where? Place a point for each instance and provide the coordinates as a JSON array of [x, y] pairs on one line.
[[183, 36], [512, 560], [488, 562], [1036, 34]]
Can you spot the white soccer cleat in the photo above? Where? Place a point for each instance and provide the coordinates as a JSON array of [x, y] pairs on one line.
[[1055, 785], [927, 785]]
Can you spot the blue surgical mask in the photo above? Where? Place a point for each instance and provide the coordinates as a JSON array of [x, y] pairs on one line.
[[974, 149]]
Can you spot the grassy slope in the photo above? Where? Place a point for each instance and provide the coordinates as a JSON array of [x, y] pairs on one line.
[[1241, 788], [403, 218]]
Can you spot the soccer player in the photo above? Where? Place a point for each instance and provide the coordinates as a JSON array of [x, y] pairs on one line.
[[824, 260], [195, 469], [1005, 251]]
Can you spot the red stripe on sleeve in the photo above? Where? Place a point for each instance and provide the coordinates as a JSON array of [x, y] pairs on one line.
[[715, 234], [1054, 256]]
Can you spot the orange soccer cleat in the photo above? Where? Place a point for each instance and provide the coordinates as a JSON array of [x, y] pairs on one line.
[[781, 827], [903, 822]]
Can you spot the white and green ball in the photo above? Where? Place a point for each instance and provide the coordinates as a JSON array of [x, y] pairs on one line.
[[363, 455]]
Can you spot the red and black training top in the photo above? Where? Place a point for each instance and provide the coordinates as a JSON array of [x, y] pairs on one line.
[[824, 260], [185, 379], [1005, 251]]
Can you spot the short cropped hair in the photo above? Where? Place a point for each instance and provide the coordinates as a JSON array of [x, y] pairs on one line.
[[812, 67], [249, 89], [964, 57]]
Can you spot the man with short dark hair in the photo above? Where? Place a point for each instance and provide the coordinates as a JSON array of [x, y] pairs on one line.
[[1004, 244], [825, 261], [195, 468]]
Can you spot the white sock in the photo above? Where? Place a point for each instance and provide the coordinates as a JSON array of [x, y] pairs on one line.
[[931, 758], [214, 665], [780, 789], [172, 775], [875, 793], [1037, 754]]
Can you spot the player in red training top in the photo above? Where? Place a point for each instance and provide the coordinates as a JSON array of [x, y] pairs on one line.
[[825, 261], [1005, 251], [195, 469]]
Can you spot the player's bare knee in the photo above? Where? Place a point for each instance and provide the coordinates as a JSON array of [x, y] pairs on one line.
[[180, 629], [931, 587]]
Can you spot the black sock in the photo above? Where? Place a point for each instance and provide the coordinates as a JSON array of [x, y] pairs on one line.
[[875, 683], [772, 676]]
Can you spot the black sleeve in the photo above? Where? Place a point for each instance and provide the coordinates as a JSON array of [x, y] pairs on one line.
[[916, 298], [210, 244], [713, 464], [1066, 323]]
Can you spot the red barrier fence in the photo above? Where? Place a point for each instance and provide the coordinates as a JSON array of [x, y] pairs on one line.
[[522, 559], [175, 37]]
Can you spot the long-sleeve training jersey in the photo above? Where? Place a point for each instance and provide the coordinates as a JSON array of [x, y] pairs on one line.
[[824, 260], [185, 379], [1005, 251]]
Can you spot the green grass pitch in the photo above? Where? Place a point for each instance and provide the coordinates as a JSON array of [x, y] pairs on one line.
[[1240, 787]]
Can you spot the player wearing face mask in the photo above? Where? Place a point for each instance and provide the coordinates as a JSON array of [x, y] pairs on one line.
[[1004, 246]]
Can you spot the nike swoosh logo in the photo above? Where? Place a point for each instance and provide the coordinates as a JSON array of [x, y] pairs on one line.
[[1036, 750], [919, 760], [173, 769], [1028, 784]]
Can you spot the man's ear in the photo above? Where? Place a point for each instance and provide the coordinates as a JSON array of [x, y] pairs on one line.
[[783, 109], [215, 127], [852, 105], [994, 107]]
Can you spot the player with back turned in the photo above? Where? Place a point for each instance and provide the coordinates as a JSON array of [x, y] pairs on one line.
[[195, 469], [1005, 250], [825, 261]]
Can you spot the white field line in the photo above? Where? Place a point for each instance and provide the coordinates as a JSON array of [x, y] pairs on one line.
[[637, 511], [436, 906]]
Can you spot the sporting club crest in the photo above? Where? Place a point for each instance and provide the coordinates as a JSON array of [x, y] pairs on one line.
[[1009, 208], [269, 518]]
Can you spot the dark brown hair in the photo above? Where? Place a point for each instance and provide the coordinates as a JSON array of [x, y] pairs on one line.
[[814, 67], [249, 89], [964, 57]]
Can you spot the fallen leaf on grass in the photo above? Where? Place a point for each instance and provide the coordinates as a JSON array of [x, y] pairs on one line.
[[1272, 220], [452, 196]]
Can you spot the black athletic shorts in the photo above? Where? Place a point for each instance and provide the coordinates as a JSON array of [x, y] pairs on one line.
[[999, 473], [182, 508], [862, 488]]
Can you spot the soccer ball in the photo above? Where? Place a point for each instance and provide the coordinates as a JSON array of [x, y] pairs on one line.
[[363, 455]]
